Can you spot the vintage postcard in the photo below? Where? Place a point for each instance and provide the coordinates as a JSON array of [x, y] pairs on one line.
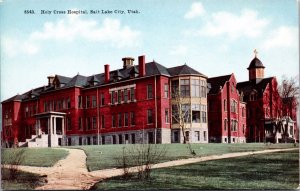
[[149, 95]]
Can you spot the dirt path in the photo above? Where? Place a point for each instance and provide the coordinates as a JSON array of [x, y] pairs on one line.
[[71, 173]]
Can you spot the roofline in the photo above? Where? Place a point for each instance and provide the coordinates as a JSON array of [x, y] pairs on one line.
[[132, 79], [7, 101], [221, 76], [201, 75]]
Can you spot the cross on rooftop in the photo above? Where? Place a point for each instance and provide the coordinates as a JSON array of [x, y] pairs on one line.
[[255, 53]]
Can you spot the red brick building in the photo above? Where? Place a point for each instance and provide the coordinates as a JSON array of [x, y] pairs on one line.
[[129, 105], [226, 111], [262, 98]]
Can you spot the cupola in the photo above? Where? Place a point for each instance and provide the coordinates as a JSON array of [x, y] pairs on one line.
[[256, 69]]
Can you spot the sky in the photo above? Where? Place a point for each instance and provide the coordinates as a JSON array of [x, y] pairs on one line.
[[215, 37]]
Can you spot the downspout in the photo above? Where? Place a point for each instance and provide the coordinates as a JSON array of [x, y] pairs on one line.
[[155, 109], [228, 111], [98, 117]]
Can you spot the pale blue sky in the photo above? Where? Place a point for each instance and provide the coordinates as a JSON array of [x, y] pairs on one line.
[[215, 37]]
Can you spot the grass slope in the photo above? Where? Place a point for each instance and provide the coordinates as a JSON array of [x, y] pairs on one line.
[[44, 157], [265, 171], [103, 156], [23, 181]]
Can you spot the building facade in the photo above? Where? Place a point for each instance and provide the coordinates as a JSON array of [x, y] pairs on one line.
[[264, 106], [129, 105], [226, 111]]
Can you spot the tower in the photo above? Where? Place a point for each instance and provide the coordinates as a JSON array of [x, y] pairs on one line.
[[256, 69]]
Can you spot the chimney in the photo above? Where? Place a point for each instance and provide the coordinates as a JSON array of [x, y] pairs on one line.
[[127, 62], [142, 68], [107, 77], [50, 80]]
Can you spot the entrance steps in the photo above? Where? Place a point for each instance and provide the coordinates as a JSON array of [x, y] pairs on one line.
[[35, 141]]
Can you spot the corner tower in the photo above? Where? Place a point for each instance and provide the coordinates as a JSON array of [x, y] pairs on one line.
[[256, 69]]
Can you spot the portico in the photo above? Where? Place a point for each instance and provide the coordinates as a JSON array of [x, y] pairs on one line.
[[51, 124]]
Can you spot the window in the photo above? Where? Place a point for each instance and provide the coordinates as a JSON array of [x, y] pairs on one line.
[[149, 116], [203, 114], [291, 130], [234, 125], [149, 91], [126, 119], [243, 112], [196, 113], [88, 127], [102, 99], [195, 88], [69, 127], [68, 103], [50, 105], [125, 95], [119, 96], [54, 105], [185, 88], [187, 135], [132, 118], [35, 109], [102, 122], [120, 139], [167, 120], [113, 120], [116, 97], [103, 140], [175, 88], [166, 88], [132, 96], [95, 140], [175, 116], [205, 135], [112, 96], [233, 106], [64, 104], [87, 102], [94, 101], [225, 124], [225, 105], [243, 128], [185, 109], [203, 88], [119, 119], [133, 138], [94, 122], [80, 123], [197, 135]]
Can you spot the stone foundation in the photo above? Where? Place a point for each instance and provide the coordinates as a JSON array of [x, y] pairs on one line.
[[125, 137]]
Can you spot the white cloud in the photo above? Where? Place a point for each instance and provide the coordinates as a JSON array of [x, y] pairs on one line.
[[71, 28], [196, 10], [179, 50], [247, 24], [282, 37], [12, 47]]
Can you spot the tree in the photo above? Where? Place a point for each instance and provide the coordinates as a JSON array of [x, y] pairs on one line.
[[181, 107], [285, 105], [142, 157]]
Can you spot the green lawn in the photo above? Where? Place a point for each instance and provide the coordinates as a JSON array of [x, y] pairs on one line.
[[278, 170], [103, 156], [23, 180], [44, 157]]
